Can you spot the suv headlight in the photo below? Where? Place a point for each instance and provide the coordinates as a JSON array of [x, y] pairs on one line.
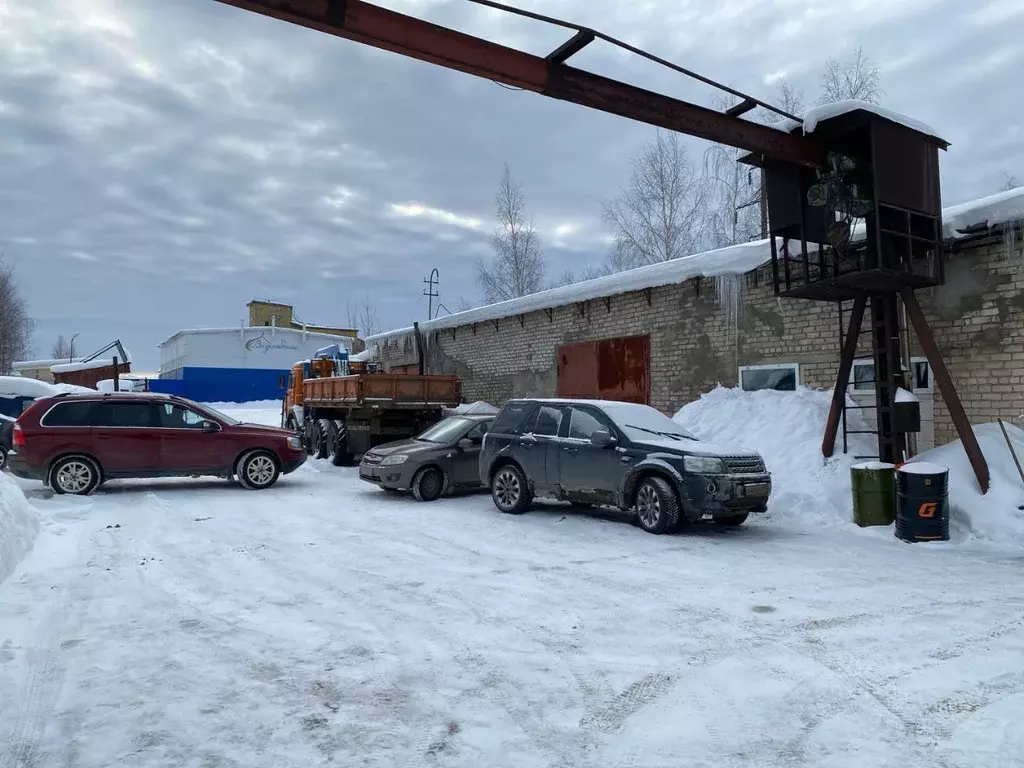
[[395, 458], [703, 465], [295, 443]]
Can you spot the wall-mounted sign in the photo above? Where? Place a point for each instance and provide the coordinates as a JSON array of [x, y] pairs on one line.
[[262, 344]]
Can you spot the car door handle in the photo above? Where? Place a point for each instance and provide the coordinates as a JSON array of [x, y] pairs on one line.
[[528, 442], [571, 451]]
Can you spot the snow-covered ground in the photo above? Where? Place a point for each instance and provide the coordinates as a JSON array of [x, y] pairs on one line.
[[323, 622]]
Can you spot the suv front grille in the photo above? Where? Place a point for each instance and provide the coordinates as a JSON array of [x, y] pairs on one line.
[[744, 465]]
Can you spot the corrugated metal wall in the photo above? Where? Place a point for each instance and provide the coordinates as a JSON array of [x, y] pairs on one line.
[[609, 369]]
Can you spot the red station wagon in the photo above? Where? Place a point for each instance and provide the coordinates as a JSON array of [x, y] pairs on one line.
[[73, 443]]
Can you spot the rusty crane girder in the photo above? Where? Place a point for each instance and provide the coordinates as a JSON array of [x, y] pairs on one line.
[[548, 75]]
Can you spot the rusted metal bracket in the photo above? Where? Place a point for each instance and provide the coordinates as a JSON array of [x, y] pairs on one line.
[[945, 384], [571, 47], [849, 352]]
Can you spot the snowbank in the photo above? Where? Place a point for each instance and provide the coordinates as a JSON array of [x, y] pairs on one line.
[[997, 516], [17, 386], [786, 428], [19, 525]]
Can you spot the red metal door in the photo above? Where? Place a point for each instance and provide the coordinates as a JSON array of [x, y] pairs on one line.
[[610, 369]]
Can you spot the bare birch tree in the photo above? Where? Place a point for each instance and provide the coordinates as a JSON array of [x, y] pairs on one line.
[[61, 348], [734, 188], [661, 214], [517, 268], [568, 277], [1009, 182], [16, 327], [857, 77], [363, 317]]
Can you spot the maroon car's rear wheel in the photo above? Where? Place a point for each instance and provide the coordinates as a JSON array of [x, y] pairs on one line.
[[74, 475]]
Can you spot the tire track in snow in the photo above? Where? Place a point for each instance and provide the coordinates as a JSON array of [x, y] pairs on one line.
[[45, 667]]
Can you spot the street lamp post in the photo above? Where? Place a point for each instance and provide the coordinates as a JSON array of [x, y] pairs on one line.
[[71, 356]]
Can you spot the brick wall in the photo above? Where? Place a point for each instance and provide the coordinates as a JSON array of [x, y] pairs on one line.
[[977, 318]]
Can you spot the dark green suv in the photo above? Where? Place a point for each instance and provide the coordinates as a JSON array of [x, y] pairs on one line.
[[623, 455]]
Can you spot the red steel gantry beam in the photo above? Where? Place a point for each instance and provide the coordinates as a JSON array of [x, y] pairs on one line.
[[406, 35]]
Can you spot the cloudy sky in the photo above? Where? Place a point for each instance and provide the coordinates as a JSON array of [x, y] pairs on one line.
[[162, 162]]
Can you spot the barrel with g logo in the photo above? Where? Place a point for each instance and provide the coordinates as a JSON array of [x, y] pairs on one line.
[[922, 502]]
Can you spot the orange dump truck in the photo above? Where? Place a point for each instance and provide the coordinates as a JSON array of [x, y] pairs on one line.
[[342, 417]]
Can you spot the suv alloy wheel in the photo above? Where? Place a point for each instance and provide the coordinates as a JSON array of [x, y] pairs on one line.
[[509, 490]]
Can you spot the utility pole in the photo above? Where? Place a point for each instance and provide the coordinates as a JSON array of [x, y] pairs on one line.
[[71, 357], [432, 281]]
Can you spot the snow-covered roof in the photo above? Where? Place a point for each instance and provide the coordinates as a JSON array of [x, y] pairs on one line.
[[85, 365], [21, 364], [733, 260], [988, 211], [276, 328], [815, 115]]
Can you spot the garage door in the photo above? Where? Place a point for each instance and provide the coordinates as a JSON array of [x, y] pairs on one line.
[[610, 369]]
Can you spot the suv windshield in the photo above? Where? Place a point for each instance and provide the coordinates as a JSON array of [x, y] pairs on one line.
[[640, 422], [445, 431]]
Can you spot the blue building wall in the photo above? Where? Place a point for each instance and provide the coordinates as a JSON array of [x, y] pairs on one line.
[[224, 385]]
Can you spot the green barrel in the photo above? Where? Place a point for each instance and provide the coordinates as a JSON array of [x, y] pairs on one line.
[[874, 489]]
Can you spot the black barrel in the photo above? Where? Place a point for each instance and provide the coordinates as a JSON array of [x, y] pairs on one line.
[[922, 502]]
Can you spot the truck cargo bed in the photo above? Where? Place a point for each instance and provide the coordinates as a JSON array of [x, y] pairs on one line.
[[385, 390]]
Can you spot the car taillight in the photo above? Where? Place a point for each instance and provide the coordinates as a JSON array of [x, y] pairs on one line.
[[18, 436]]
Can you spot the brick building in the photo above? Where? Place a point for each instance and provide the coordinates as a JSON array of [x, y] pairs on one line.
[[681, 317]]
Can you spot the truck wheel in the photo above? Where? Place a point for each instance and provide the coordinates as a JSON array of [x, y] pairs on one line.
[[510, 491], [428, 484], [731, 521], [657, 506], [341, 457], [321, 445]]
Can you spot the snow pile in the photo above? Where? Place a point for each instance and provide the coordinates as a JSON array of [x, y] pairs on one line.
[[997, 516], [786, 429], [17, 386], [19, 525]]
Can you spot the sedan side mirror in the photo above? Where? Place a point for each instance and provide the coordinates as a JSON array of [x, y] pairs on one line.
[[603, 439], [465, 443], [210, 426]]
